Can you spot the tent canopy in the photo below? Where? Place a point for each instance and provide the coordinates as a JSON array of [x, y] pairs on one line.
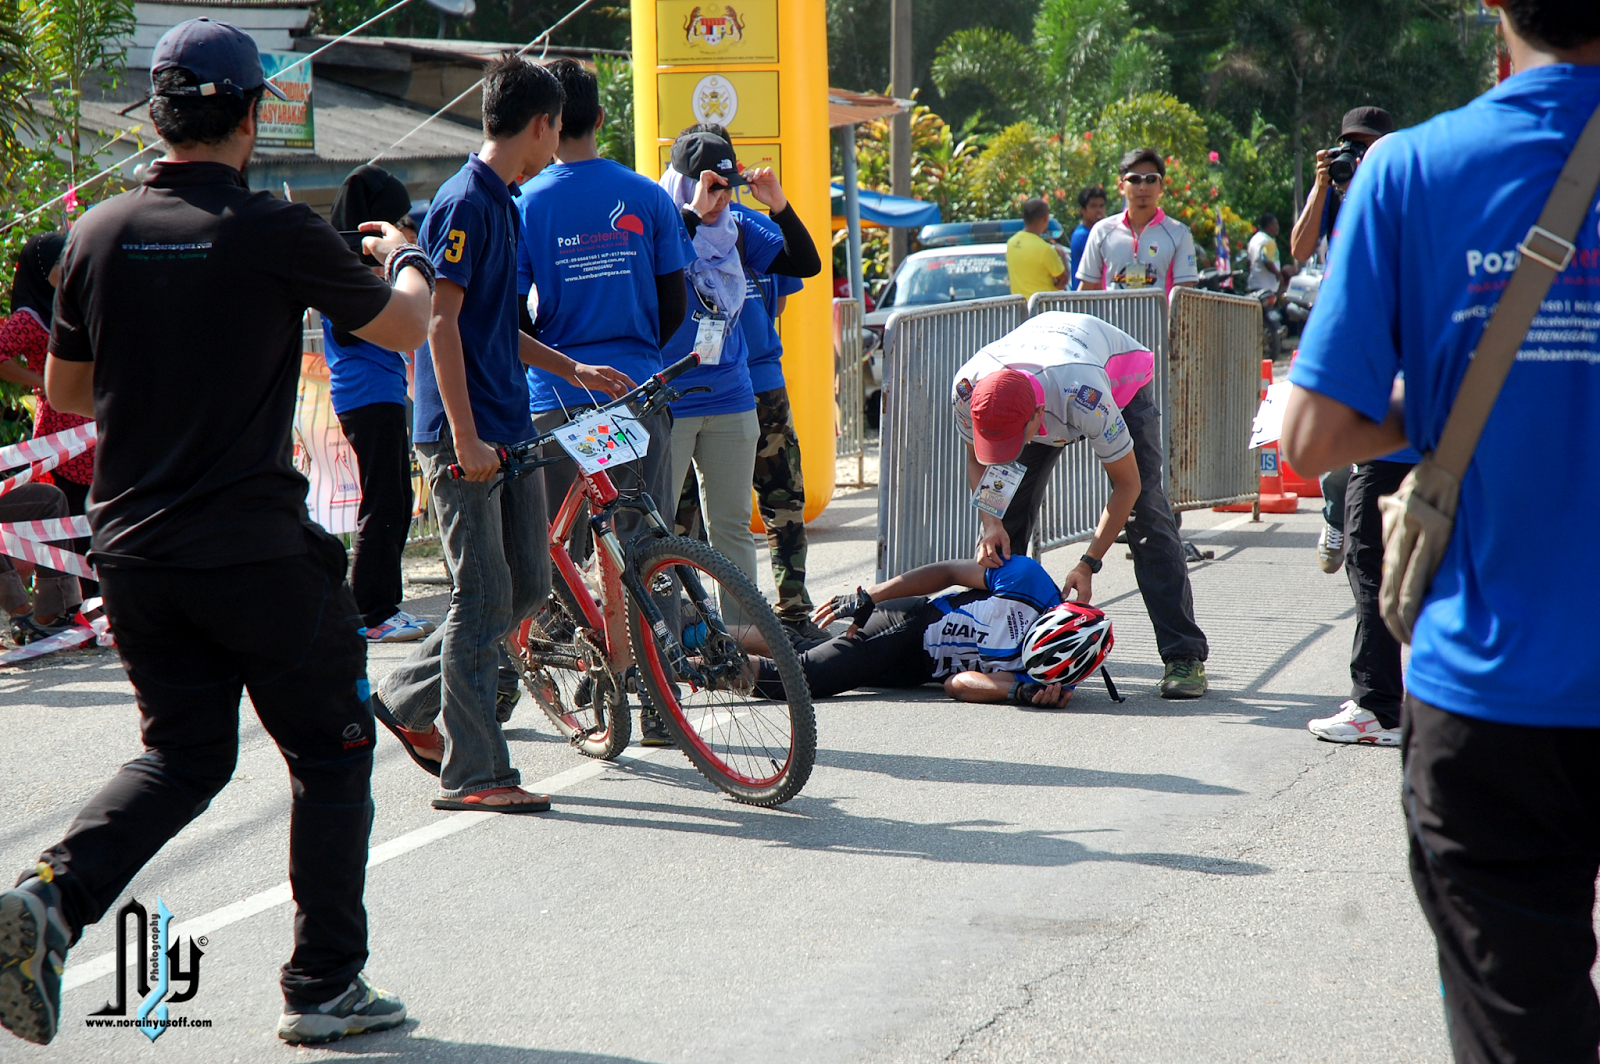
[[885, 211]]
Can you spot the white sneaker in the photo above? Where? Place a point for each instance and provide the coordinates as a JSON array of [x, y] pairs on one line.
[[1330, 549], [401, 628], [1352, 724], [426, 625]]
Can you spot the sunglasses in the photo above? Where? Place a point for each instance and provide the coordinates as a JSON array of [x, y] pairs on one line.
[[1142, 179]]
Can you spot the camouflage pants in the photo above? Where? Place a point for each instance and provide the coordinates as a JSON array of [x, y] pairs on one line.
[[781, 498]]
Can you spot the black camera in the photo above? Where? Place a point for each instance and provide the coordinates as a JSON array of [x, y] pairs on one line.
[[1342, 165]]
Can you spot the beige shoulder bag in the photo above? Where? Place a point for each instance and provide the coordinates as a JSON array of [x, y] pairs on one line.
[[1419, 518]]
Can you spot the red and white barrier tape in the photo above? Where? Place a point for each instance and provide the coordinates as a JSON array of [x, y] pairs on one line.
[[54, 449], [96, 628], [63, 561], [52, 530]]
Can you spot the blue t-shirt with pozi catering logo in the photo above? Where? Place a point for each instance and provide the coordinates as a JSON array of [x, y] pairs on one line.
[[1424, 250], [759, 317], [360, 372], [595, 236], [470, 234], [729, 379]]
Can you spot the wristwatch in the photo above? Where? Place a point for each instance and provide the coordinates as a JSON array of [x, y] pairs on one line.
[[1094, 564]]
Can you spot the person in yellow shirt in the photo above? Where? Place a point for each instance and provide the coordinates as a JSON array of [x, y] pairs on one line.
[[1033, 263]]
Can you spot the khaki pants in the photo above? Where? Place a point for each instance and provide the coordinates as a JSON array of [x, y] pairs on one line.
[[723, 449]]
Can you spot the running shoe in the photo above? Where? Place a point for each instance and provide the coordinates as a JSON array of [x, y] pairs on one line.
[[652, 732], [401, 628], [1184, 678], [426, 625], [1330, 549], [33, 951], [361, 1008], [25, 629], [1352, 724]]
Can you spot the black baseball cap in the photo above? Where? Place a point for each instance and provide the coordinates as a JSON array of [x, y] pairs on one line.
[[221, 57], [1373, 121], [695, 153]]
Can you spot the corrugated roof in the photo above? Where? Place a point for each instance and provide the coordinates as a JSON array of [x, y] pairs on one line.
[[233, 3], [445, 48], [351, 126]]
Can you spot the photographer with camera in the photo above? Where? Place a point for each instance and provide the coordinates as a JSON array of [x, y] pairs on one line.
[[1360, 129]]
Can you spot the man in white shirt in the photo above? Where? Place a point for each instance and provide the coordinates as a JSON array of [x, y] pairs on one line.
[[1266, 275], [1141, 247], [1055, 379]]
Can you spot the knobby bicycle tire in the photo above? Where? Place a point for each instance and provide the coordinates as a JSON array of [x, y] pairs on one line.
[[712, 740]]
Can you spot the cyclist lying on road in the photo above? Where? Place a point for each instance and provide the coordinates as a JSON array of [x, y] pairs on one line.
[[978, 641]]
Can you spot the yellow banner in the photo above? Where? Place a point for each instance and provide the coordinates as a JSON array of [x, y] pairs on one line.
[[746, 102], [690, 31]]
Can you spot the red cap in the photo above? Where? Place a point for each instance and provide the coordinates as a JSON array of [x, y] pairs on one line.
[[1002, 405]]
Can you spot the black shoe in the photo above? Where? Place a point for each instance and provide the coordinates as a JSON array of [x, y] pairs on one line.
[[363, 1007], [804, 634], [33, 951], [508, 692], [652, 732], [25, 629]]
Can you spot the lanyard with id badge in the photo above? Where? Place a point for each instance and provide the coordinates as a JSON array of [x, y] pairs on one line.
[[711, 330], [997, 488]]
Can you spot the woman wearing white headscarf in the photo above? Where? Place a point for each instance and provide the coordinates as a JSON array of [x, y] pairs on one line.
[[718, 430]]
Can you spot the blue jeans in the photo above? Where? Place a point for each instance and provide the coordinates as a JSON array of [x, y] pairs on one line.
[[495, 549]]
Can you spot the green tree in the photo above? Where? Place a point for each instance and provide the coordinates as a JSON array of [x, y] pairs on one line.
[[73, 41], [616, 96]]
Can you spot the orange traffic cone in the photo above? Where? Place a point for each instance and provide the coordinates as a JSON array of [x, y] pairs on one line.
[[1274, 500], [1303, 486]]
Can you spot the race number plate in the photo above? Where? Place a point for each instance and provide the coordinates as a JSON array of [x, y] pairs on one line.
[[602, 439], [996, 489]]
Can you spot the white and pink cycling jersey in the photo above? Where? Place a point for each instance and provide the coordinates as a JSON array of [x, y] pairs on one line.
[[1162, 253], [1088, 369]]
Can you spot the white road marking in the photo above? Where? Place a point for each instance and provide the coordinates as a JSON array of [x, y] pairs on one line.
[[1215, 530], [99, 967]]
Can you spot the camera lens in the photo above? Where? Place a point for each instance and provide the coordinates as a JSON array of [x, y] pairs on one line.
[[1341, 169]]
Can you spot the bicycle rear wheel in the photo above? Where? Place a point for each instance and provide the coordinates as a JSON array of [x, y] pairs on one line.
[[568, 676], [758, 751]]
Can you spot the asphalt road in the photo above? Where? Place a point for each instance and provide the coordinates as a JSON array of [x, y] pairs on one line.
[[1152, 881]]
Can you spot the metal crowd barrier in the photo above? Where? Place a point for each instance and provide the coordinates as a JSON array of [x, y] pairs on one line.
[[1079, 487], [1206, 346], [848, 386], [924, 504], [1214, 388]]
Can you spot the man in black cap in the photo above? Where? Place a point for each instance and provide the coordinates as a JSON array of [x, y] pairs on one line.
[[1361, 127], [199, 518]]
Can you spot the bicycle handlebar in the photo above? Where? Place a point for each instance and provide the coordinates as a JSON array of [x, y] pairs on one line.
[[648, 391]]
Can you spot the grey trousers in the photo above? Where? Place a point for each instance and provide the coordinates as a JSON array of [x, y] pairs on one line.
[[494, 547], [54, 594], [1158, 562]]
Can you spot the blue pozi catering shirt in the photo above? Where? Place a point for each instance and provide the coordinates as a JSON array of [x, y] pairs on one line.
[[595, 235], [470, 233], [729, 380], [1080, 238], [1424, 249], [361, 373], [759, 317]]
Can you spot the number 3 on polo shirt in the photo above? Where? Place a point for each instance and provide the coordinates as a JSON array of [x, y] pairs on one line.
[[458, 244]]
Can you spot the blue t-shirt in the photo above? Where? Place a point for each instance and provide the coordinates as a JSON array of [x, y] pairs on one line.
[[362, 373], [595, 236], [729, 380], [1080, 238], [759, 317], [1424, 249], [470, 233]]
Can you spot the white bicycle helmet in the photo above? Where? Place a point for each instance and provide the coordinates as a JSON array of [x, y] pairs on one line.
[[1066, 644]]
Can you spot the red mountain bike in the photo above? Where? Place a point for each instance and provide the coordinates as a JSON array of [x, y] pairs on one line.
[[649, 616]]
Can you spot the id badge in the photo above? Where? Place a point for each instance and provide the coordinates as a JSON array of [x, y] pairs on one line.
[[995, 491], [1138, 275], [708, 338]]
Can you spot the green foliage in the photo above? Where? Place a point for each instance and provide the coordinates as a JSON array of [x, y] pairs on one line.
[[1154, 120], [72, 40], [616, 96]]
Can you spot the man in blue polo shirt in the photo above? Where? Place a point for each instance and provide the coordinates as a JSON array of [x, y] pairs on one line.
[[1502, 716], [471, 395], [602, 254]]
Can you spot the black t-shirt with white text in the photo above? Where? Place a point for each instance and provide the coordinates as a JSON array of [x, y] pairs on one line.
[[188, 293]]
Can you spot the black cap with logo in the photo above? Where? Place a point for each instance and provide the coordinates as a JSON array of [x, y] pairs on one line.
[[1373, 121], [222, 58], [695, 153]]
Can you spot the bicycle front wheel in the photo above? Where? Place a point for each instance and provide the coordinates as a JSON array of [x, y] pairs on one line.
[[758, 751]]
